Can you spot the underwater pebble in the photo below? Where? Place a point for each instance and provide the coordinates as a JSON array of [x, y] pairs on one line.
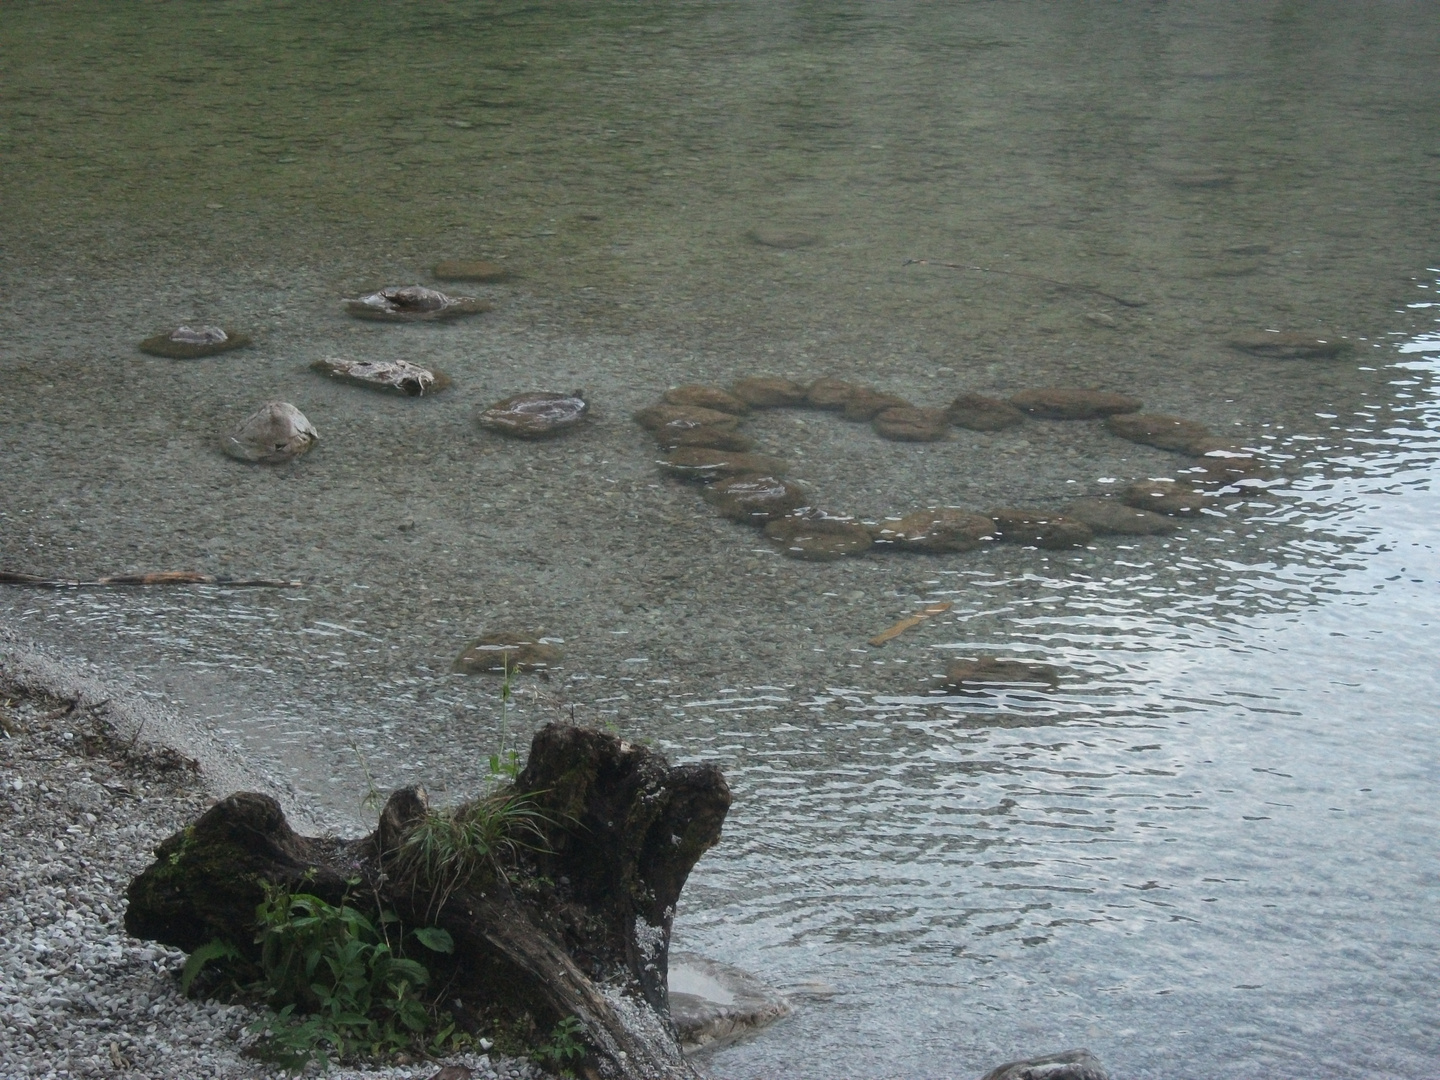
[[1039, 528], [679, 417], [911, 424], [938, 529], [679, 434], [830, 393], [1165, 497], [470, 270], [519, 650], [754, 499], [980, 413], [769, 392], [402, 376], [816, 536], [990, 669], [1111, 517], [189, 343], [1060, 403], [535, 415], [1222, 463], [414, 303], [274, 433], [1284, 345], [866, 403], [706, 397], [1157, 430], [704, 463]]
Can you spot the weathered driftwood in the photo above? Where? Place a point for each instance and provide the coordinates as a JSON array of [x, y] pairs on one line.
[[578, 926]]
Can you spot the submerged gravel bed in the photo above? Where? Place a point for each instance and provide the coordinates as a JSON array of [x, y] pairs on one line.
[[80, 810]]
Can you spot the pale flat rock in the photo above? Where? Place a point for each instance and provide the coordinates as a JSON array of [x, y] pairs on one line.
[[274, 433], [713, 1003]]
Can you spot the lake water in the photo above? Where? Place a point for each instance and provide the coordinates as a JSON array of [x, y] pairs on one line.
[[1210, 851]]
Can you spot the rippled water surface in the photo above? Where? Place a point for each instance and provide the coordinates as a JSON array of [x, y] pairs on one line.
[[1208, 851]]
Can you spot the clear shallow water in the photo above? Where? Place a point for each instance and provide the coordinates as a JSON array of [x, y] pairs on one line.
[[1209, 853]]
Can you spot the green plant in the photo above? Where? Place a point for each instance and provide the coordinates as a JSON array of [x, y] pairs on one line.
[[505, 761], [563, 1046]]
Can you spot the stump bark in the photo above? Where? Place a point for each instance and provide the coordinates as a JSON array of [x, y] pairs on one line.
[[577, 924]]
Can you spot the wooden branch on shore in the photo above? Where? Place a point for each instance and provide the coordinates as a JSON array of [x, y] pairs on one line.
[[1033, 277], [162, 577]]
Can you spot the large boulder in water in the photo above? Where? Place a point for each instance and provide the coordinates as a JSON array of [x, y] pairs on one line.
[[274, 433]]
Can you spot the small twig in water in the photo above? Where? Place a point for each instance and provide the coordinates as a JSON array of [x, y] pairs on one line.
[[1033, 277], [162, 577], [907, 622]]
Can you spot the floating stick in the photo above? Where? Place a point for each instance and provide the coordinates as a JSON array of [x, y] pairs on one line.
[[907, 622]]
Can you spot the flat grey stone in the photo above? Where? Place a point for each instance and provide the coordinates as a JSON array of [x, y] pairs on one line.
[[713, 1003]]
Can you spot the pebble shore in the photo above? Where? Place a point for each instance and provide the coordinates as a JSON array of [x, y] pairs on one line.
[[81, 808]]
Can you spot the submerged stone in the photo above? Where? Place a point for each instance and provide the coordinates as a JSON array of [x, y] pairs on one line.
[[1222, 463], [782, 238], [980, 413], [413, 303], [395, 375], [1158, 430], [713, 1003], [1060, 403], [769, 392], [1111, 517], [866, 403], [816, 536], [705, 464], [1182, 499], [911, 424], [517, 650], [470, 270], [680, 417], [191, 342], [990, 670], [830, 393], [535, 415], [938, 529], [706, 397], [274, 433], [1290, 346], [672, 436], [1071, 1065], [1039, 528], [754, 499]]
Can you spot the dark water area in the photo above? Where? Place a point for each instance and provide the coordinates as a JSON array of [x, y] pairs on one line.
[[1208, 851]]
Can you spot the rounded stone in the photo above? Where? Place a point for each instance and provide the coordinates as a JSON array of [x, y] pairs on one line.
[[535, 415], [754, 499], [1157, 430], [397, 376], [1165, 497], [672, 436], [816, 536], [937, 530], [706, 397], [192, 342], [911, 424], [1111, 517], [706, 464], [680, 417], [470, 270], [1038, 528], [866, 403], [980, 413], [1222, 463], [274, 433], [515, 650], [991, 670], [413, 303], [1284, 345], [830, 393], [769, 392], [1060, 403]]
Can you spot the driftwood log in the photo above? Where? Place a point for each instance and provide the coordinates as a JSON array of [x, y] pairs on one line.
[[578, 926]]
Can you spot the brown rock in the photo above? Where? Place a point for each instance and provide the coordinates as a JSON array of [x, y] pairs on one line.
[[682, 434], [830, 393], [1158, 430], [193, 342], [1222, 463], [1059, 403], [1166, 497], [470, 270], [768, 392], [1111, 517], [706, 397], [911, 425], [1290, 346], [980, 413], [816, 536], [866, 403], [988, 670], [937, 529], [706, 464], [754, 499], [535, 415], [1039, 528], [519, 650], [679, 417]]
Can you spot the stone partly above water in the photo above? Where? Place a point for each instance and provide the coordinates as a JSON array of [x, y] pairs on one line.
[[192, 342], [1283, 345], [769, 392], [513, 650], [936, 530], [706, 464], [706, 397], [535, 415], [414, 303], [980, 413], [398, 376], [753, 499], [991, 670], [1157, 430], [681, 417], [1039, 528], [713, 1003], [1059, 403], [1166, 497], [1070, 1065], [911, 424], [274, 433], [470, 270], [819, 537], [1111, 517]]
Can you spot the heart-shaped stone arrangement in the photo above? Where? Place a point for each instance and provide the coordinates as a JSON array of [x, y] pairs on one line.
[[698, 428]]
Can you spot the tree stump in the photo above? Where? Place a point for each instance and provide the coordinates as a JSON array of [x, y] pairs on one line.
[[577, 923]]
